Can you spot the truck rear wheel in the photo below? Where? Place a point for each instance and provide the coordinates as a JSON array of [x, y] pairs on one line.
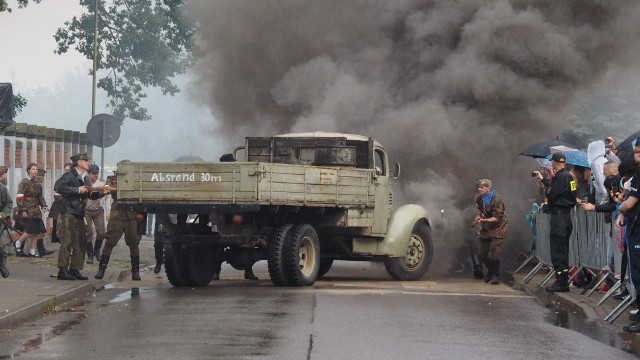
[[416, 261], [201, 264], [274, 261], [301, 255], [174, 265]]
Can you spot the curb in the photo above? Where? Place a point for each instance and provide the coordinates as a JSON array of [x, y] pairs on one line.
[[40, 307], [31, 311]]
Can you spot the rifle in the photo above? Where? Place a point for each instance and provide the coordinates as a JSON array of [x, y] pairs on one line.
[[102, 188], [8, 226]]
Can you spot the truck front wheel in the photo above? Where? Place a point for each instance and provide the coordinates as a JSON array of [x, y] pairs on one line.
[[301, 255], [325, 266], [416, 261]]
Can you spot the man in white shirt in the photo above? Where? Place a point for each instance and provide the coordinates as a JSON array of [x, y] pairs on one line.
[[94, 217]]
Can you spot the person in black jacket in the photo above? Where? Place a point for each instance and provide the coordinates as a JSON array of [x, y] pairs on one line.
[[561, 198], [630, 208], [73, 187]]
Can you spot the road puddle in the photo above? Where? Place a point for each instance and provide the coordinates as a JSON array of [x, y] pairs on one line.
[[568, 319]]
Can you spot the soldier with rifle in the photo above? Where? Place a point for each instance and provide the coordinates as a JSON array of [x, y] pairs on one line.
[[120, 222]]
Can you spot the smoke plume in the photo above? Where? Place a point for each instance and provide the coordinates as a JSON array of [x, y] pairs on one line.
[[453, 89]]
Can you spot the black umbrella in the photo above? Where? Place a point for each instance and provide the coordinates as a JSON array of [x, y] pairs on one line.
[[627, 145], [543, 149]]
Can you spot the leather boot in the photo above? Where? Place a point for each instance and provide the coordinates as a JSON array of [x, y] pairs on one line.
[[159, 252], [489, 274], [477, 272], [63, 274], [41, 249], [96, 248], [76, 273], [89, 252], [135, 268], [248, 273], [561, 284], [102, 267], [495, 277], [4, 271]]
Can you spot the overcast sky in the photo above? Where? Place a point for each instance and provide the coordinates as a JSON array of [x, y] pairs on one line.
[[58, 90]]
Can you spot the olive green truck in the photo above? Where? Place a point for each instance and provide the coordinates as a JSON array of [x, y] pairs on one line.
[[299, 201]]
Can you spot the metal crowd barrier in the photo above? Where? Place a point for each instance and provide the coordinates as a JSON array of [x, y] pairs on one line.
[[587, 251]]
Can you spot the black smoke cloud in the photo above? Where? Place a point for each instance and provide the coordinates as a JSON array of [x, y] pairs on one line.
[[453, 89]]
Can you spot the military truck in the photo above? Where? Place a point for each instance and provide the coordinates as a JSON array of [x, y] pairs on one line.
[[299, 201]]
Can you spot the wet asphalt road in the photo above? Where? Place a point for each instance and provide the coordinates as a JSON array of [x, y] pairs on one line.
[[356, 312]]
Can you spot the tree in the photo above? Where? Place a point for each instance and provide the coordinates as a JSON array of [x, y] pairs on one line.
[[4, 6], [142, 43], [19, 103]]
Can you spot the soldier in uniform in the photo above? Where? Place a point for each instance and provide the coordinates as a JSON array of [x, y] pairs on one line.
[[493, 229], [120, 222], [53, 211], [6, 205], [561, 198], [73, 186], [31, 203]]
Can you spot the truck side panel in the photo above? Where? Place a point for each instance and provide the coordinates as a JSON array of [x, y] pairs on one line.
[[315, 186], [216, 182], [241, 182]]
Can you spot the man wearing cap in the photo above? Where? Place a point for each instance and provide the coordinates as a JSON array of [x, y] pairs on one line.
[[630, 208], [74, 188], [6, 205], [94, 216], [31, 203], [561, 198], [493, 228]]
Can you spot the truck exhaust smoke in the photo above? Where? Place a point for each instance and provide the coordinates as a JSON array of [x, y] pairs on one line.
[[454, 90]]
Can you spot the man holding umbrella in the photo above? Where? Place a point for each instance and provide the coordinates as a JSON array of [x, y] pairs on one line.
[[561, 198]]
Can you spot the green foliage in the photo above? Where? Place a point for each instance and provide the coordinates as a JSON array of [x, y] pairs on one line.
[[142, 43], [4, 6], [19, 103]]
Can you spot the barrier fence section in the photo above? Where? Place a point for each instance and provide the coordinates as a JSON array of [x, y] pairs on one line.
[[587, 250], [49, 148]]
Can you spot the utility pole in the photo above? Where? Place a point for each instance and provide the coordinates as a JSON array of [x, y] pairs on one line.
[[93, 94]]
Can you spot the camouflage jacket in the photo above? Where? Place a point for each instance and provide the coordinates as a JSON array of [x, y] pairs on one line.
[[6, 204], [30, 198], [492, 230]]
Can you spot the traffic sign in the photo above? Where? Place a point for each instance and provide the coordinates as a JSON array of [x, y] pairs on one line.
[[103, 130]]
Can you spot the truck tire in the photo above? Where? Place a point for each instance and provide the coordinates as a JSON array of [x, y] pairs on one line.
[[174, 265], [301, 255], [201, 265], [417, 259], [274, 260], [325, 266]]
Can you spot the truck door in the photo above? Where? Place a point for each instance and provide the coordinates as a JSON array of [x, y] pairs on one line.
[[380, 181]]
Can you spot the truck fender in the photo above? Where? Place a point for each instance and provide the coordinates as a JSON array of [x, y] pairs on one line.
[[399, 229]]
